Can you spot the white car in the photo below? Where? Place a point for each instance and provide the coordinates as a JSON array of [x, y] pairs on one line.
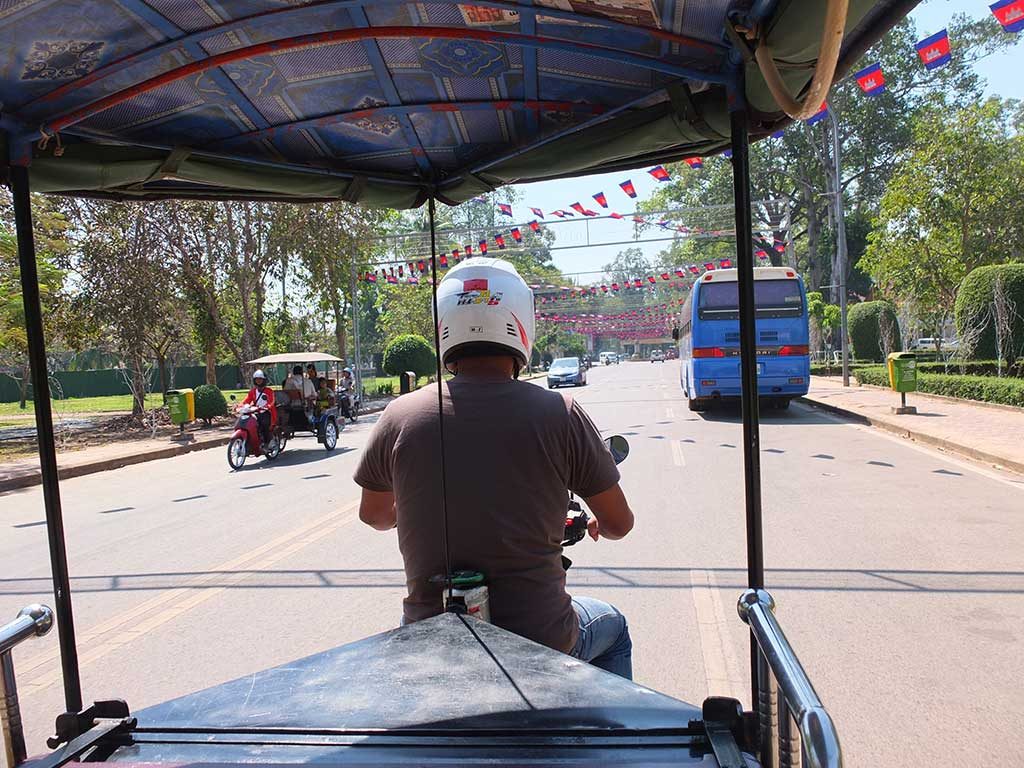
[[657, 356]]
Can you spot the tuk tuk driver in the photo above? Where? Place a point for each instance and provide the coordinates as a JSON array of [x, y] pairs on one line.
[[262, 397], [513, 451]]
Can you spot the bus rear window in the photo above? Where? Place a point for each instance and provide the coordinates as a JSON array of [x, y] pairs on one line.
[[774, 298]]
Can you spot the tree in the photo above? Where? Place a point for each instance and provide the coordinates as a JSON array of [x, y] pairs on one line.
[[990, 312], [874, 331], [956, 204], [126, 285], [410, 353]]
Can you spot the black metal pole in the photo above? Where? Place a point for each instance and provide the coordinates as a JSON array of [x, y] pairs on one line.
[[44, 436], [748, 362]]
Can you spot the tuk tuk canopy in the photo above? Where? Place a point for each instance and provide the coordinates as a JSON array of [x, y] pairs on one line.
[[387, 102]]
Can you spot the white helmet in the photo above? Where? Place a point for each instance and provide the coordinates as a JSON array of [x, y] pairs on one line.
[[259, 375], [485, 301]]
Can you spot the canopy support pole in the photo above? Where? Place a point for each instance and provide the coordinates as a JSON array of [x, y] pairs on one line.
[[748, 357], [44, 437]]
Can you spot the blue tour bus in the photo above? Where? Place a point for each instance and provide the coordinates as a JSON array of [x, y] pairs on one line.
[[709, 338]]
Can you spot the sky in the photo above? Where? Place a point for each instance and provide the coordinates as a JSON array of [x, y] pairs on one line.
[[1002, 73]]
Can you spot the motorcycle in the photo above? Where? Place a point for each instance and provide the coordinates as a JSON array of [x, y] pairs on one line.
[[349, 402], [245, 441]]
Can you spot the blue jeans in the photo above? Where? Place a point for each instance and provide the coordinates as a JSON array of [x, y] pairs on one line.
[[604, 637]]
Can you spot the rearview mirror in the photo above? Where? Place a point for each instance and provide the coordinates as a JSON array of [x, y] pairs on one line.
[[618, 446]]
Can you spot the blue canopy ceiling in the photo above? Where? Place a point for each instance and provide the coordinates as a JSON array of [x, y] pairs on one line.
[[381, 101]]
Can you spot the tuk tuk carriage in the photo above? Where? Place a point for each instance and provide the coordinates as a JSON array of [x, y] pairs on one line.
[[146, 101]]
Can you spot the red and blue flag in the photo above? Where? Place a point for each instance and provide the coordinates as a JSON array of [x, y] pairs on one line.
[[725, 263], [871, 80], [761, 253], [694, 269], [516, 234], [578, 207], [500, 240], [818, 116], [443, 261], [1010, 14], [455, 254], [694, 162], [615, 215], [627, 187], [934, 50], [535, 226], [537, 212], [659, 173], [505, 208], [413, 280], [709, 266], [601, 199], [559, 214], [483, 246]]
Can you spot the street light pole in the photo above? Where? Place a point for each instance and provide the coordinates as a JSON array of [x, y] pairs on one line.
[[357, 369], [840, 245]]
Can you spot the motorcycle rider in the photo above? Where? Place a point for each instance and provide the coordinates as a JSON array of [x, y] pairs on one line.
[[262, 397], [346, 389], [512, 452]]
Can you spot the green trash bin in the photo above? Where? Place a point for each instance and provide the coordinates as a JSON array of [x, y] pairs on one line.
[[181, 405], [903, 371]]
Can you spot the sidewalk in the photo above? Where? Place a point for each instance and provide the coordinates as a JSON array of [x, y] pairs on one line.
[[985, 433]]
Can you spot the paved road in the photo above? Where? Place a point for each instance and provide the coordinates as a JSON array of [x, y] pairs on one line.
[[897, 571]]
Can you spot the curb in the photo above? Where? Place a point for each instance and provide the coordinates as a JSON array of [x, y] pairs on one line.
[[103, 465], [952, 400], [920, 437]]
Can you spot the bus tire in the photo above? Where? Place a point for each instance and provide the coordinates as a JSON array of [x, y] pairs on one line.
[[694, 404], [782, 403]]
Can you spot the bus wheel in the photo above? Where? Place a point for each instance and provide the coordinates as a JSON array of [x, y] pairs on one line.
[[782, 403], [695, 405]]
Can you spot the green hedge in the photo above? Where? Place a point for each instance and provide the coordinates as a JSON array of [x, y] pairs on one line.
[[409, 353], [865, 333], [988, 389], [834, 369], [973, 306], [973, 368], [210, 402]]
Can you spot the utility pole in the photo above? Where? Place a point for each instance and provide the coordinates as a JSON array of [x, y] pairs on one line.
[[840, 279]]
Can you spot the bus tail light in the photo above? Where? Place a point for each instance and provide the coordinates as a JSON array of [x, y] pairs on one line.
[[796, 380], [711, 352], [792, 349], [708, 382]]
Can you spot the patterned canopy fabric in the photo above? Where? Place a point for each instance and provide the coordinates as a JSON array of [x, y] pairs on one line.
[[383, 102]]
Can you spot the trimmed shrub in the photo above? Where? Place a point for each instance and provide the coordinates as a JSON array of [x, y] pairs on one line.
[[865, 322], [409, 353], [987, 389], [973, 309], [210, 403]]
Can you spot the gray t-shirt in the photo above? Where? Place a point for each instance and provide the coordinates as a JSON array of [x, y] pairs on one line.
[[512, 450]]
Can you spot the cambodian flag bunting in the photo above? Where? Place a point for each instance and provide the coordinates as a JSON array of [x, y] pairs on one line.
[[725, 263], [615, 215], [535, 226], [516, 234], [559, 214], [455, 254], [934, 50], [659, 173], [694, 162], [709, 265], [1010, 14], [413, 280], [588, 212], [780, 245], [469, 250], [505, 208], [483, 246], [871, 80], [604, 288], [537, 212], [421, 266], [665, 275], [679, 273], [392, 279], [761, 253], [638, 283], [627, 187], [443, 261], [601, 199], [500, 240], [694, 269], [578, 208], [371, 277], [818, 116], [400, 273], [615, 286]]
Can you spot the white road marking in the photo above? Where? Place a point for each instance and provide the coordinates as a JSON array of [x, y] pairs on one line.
[[670, 412], [721, 665], [677, 454], [131, 625]]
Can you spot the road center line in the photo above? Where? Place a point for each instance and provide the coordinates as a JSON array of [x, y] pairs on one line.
[[721, 665], [677, 454], [176, 601]]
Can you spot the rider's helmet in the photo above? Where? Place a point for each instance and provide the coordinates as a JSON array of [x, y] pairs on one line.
[[259, 375], [347, 370], [484, 307]]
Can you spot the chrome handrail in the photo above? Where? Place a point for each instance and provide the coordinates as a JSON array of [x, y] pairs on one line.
[[32, 621], [817, 732]]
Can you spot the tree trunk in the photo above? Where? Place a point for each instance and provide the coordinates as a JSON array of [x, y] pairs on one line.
[[211, 364], [813, 235], [138, 385], [161, 362], [339, 326], [25, 373]]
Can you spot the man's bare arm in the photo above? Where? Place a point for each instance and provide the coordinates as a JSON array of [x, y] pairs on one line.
[[377, 509], [610, 508]]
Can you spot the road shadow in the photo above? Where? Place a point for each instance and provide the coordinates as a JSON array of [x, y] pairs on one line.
[[307, 452], [728, 412], [938, 582]]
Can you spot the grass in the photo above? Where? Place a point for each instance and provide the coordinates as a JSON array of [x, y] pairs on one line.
[[104, 404]]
